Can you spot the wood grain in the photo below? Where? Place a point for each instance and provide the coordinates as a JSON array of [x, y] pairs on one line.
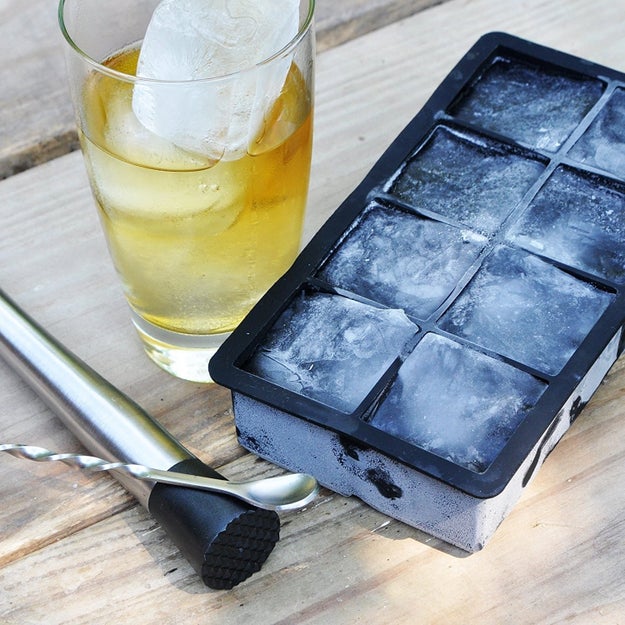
[[76, 549], [36, 118]]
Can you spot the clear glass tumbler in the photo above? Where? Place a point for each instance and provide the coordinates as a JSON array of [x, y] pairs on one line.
[[200, 180]]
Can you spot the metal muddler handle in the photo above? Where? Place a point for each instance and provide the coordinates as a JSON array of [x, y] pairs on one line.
[[224, 539]]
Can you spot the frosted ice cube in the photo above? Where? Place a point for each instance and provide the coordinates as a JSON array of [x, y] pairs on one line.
[[467, 179], [522, 307], [456, 402], [579, 220], [331, 348], [603, 144], [532, 104], [402, 260], [191, 40]]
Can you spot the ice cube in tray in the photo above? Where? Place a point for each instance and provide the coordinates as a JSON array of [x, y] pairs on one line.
[[466, 179], [526, 309], [534, 104]]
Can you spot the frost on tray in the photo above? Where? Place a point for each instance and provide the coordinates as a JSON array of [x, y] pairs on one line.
[[474, 183], [331, 349], [526, 309], [530, 104], [402, 260], [603, 144], [579, 220], [456, 402]]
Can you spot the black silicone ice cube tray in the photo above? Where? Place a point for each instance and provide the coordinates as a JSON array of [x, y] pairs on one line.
[[450, 320]]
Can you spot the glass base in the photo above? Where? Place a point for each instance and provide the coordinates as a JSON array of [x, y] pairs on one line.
[[185, 356]]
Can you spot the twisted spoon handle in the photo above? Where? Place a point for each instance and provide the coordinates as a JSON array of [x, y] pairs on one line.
[[141, 472], [78, 461]]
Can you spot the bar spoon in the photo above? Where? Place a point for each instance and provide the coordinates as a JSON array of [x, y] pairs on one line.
[[282, 492]]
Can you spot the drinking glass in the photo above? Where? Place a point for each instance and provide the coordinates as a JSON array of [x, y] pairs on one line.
[[200, 182]]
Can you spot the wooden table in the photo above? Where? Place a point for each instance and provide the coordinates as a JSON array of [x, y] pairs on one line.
[[76, 548], [36, 118]]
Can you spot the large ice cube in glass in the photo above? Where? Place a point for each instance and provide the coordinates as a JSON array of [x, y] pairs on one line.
[[534, 105], [402, 260], [579, 220], [456, 402], [603, 144], [331, 349], [526, 309], [466, 179], [193, 40]]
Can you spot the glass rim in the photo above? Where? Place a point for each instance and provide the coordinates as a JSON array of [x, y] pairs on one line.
[[100, 67]]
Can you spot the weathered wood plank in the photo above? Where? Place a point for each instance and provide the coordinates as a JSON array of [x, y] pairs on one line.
[[338, 22], [36, 120]]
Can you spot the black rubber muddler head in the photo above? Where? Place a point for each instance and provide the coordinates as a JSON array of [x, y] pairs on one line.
[[224, 539]]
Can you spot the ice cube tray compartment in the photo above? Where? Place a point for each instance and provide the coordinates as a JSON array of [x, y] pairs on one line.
[[484, 401], [603, 144], [321, 346], [402, 260], [493, 233], [527, 309], [578, 219], [466, 178], [535, 104]]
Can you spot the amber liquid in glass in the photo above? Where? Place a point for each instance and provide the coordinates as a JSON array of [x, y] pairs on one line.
[[196, 242]]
